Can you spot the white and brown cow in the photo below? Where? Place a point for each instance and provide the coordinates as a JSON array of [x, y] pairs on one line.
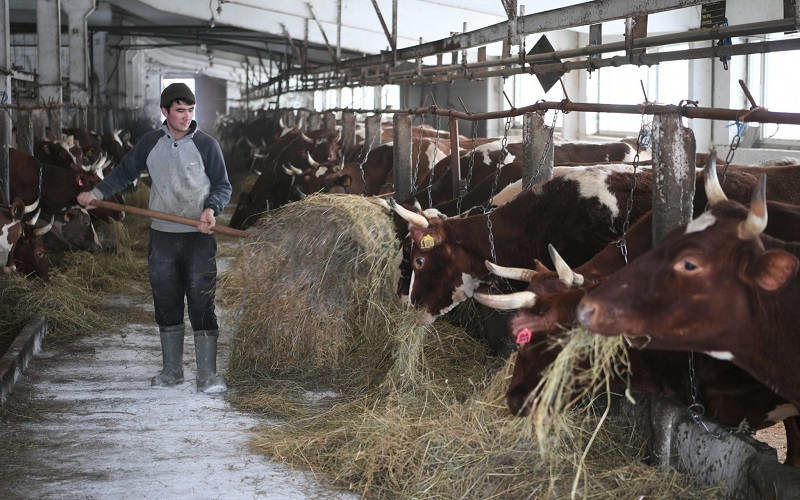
[[580, 211], [12, 226]]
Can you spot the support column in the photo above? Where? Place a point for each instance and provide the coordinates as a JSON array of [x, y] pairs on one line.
[[48, 35], [5, 94], [77, 12], [402, 157], [372, 132], [537, 162], [348, 133], [328, 121], [673, 174]]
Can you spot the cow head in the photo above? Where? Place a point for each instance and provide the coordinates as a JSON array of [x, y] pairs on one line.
[[444, 273], [681, 304], [29, 256], [75, 228]]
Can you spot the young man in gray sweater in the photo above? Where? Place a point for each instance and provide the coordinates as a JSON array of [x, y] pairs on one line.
[[189, 179]]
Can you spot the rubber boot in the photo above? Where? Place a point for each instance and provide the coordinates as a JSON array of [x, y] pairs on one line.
[[172, 355], [205, 349]]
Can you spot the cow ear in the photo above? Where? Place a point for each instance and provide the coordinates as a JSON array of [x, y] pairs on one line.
[[773, 269]]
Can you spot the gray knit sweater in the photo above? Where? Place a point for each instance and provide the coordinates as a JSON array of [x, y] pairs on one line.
[[188, 175]]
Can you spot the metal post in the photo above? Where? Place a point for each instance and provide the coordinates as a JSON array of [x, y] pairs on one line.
[[5, 90], [372, 134], [402, 156], [673, 174], [328, 121], [314, 121], [455, 158], [348, 132], [25, 132], [535, 137]]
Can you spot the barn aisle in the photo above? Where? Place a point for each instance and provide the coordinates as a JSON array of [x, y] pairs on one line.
[[83, 422]]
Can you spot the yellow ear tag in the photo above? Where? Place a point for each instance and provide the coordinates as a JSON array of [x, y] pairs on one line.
[[427, 242]]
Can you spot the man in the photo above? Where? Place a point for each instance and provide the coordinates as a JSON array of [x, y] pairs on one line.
[[189, 179]]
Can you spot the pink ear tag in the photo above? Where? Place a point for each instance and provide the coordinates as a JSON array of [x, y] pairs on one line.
[[523, 336]]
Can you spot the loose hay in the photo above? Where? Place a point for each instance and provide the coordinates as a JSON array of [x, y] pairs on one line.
[[420, 411]]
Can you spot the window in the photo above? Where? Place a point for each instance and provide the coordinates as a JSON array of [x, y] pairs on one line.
[[773, 77], [665, 83]]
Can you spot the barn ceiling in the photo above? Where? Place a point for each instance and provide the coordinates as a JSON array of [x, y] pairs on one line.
[[276, 29], [331, 34]]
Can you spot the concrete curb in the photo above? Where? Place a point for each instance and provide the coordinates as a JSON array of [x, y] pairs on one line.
[[14, 361], [747, 467]]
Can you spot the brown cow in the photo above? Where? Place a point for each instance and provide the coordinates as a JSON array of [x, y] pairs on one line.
[[717, 285]]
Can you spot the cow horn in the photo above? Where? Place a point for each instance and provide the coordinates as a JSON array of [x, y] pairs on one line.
[[287, 170], [301, 194], [756, 220], [35, 217], [295, 170], [41, 231], [312, 162], [565, 273], [30, 208], [414, 218], [517, 300], [340, 167], [512, 273], [714, 192], [377, 200]]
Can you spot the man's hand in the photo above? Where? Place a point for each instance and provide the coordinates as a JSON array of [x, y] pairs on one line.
[[207, 221], [85, 199]]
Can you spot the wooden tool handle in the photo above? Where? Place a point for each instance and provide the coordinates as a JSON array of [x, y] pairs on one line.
[[168, 217]]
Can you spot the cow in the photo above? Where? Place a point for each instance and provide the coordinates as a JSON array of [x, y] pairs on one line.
[[29, 255], [717, 285], [74, 227], [484, 160], [728, 393], [11, 229], [57, 187], [580, 210], [368, 175], [549, 303]]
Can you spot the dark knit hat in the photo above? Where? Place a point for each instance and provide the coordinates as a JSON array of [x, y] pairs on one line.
[[176, 91]]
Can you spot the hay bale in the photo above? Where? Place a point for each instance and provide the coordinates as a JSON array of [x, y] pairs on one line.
[[313, 293]]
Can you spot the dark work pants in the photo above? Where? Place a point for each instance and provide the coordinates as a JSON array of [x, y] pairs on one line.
[[183, 265]]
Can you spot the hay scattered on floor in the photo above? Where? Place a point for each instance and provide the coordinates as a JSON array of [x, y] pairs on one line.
[[70, 301]]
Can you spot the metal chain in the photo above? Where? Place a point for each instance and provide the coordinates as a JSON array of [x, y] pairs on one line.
[[415, 170], [733, 147], [546, 148], [463, 189], [644, 139], [696, 410], [430, 170], [491, 236], [361, 164], [504, 153]]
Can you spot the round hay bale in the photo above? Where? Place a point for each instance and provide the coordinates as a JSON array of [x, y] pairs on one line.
[[312, 291]]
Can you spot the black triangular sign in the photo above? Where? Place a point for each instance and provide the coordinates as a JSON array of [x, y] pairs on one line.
[[546, 80]]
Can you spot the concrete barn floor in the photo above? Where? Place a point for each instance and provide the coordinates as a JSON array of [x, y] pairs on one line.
[[84, 423]]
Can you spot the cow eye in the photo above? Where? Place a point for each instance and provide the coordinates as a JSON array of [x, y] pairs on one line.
[[419, 262], [689, 265]]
